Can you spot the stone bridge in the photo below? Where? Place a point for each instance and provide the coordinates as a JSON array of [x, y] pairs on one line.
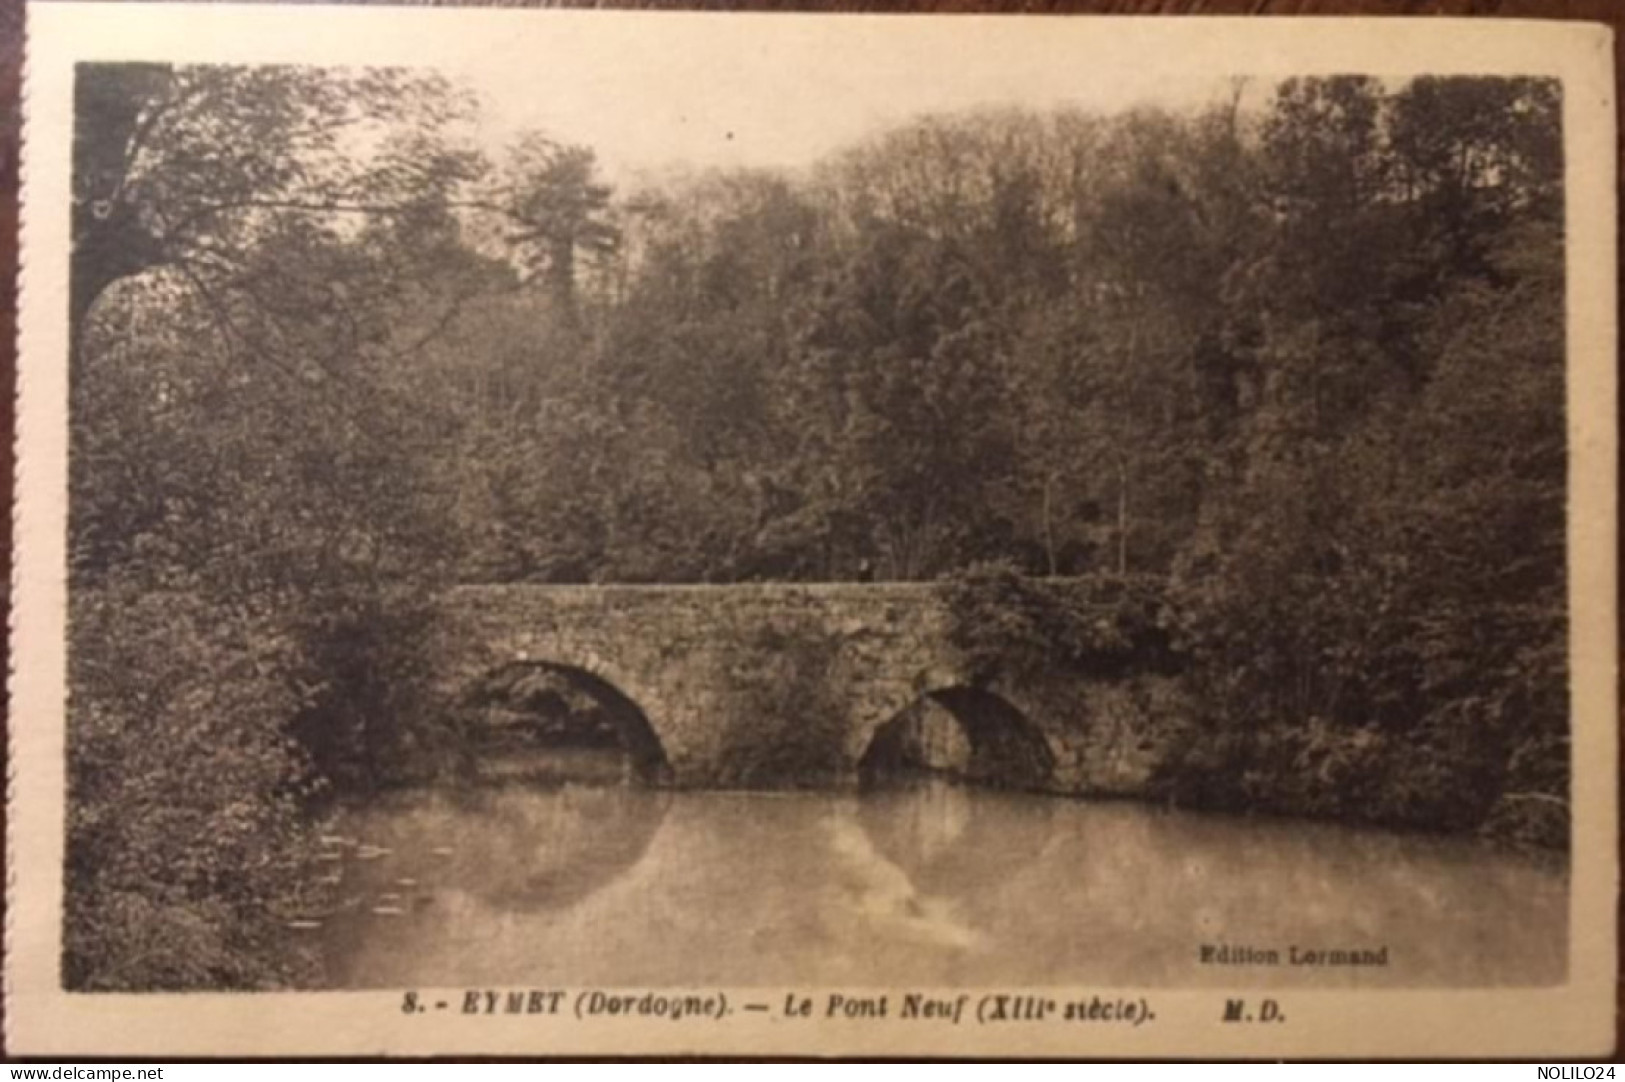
[[761, 684]]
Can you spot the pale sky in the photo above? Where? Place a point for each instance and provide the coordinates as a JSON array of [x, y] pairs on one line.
[[646, 103], [650, 90]]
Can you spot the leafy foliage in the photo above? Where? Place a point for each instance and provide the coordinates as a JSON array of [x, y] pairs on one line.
[[187, 847], [1009, 624], [368, 719]]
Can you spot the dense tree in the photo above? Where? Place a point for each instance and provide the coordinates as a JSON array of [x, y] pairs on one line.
[[557, 210], [185, 167]]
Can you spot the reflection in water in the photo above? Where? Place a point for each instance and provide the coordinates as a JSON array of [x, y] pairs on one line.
[[930, 884], [942, 834], [420, 859]]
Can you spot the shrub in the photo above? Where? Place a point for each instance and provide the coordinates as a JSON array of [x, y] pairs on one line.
[[1006, 623], [186, 848], [1433, 780], [368, 718]]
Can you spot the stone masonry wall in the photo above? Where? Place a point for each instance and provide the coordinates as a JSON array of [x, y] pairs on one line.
[[757, 684]]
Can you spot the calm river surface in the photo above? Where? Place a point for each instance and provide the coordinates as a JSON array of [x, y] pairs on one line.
[[934, 884]]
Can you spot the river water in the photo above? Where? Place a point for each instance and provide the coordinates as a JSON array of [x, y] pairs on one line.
[[930, 884]]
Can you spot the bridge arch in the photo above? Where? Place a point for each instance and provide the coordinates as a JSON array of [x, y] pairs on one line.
[[997, 744], [550, 694]]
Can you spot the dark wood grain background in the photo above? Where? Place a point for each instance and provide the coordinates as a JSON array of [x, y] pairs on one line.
[[12, 46]]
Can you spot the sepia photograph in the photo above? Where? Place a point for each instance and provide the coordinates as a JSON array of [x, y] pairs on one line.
[[577, 533]]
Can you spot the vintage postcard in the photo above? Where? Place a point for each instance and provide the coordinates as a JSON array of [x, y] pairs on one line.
[[622, 533]]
